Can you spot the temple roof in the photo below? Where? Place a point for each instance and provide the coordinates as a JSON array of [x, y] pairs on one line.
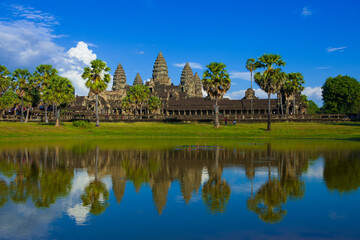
[[138, 80], [186, 75], [119, 81], [160, 71]]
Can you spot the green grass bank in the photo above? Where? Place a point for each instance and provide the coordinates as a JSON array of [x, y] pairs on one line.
[[16, 131]]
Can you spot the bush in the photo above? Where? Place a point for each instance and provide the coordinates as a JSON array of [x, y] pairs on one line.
[[81, 124]]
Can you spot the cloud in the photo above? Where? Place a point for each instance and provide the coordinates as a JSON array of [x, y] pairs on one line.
[[30, 41], [331, 49], [241, 93], [306, 12], [240, 75], [322, 68], [193, 65], [313, 93], [32, 14], [139, 52]]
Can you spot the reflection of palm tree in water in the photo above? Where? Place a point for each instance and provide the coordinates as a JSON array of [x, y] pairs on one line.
[[269, 200], [216, 192], [96, 195]]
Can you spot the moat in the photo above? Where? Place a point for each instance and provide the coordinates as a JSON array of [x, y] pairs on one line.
[[180, 189]]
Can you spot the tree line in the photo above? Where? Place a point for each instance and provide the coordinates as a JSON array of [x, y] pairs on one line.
[[28, 90], [340, 94]]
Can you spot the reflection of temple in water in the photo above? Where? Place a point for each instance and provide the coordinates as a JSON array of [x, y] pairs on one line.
[[190, 166]]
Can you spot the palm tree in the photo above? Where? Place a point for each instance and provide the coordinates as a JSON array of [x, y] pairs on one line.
[[251, 66], [60, 92], [43, 75], [5, 80], [294, 85], [139, 95], [269, 79], [216, 82], [97, 79], [21, 78], [154, 104]]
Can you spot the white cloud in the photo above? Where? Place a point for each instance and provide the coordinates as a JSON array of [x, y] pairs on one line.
[[32, 14], [193, 65], [240, 75], [29, 42], [241, 93], [322, 68], [332, 49], [313, 93], [139, 52], [306, 11]]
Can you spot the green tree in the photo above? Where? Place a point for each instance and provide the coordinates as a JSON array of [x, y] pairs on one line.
[[312, 107], [43, 75], [340, 94], [154, 104], [126, 104], [97, 79], [139, 95], [269, 79], [294, 85], [7, 96], [8, 100], [216, 82], [21, 78], [60, 92], [251, 66], [216, 194]]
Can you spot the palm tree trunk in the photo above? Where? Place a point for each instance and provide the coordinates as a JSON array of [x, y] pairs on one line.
[[22, 111], [46, 116], [57, 110], [140, 111], [96, 111], [27, 114], [269, 115], [251, 99], [216, 124], [294, 105], [281, 104], [287, 105]]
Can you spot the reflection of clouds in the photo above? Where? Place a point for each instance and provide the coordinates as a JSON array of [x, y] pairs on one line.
[[35, 222], [336, 216], [204, 176], [316, 170], [79, 213]]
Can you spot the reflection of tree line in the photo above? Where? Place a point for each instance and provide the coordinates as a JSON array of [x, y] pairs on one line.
[[46, 174]]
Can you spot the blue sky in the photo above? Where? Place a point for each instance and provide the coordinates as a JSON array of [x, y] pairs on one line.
[[317, 38]]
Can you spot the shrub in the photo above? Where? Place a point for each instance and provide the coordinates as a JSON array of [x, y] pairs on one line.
[[81, 124]]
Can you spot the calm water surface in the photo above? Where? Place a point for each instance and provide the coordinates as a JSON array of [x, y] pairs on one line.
[[188, 189]]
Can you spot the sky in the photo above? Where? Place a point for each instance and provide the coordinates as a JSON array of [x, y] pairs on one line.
[[319, 39]]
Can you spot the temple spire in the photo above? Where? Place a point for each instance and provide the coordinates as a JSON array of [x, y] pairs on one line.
[[198, 85], [160, 71], [138, 80], [119, 81]]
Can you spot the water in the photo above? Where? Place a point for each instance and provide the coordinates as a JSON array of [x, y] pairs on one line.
[[180, 189]]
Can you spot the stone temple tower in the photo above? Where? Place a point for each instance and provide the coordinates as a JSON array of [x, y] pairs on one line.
[[160, 71], [198, 86], [187, 80], [138, 80], [119, 81]]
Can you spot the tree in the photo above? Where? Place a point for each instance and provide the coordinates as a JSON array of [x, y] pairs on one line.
[[294, 85], [340, 94], [138, 96], [21, 78], [7, 97], [154, 104], [97, 79], [251, 66], [60, 92], [43, 74], [216, 82], [269, 79], [312, 107]]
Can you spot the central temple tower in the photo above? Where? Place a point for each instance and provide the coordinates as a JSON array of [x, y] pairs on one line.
[[160, 71]]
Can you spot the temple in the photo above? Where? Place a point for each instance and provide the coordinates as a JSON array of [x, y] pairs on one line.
[[185, 99]]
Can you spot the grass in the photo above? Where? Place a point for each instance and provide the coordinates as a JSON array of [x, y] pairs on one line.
[[17, 131]]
